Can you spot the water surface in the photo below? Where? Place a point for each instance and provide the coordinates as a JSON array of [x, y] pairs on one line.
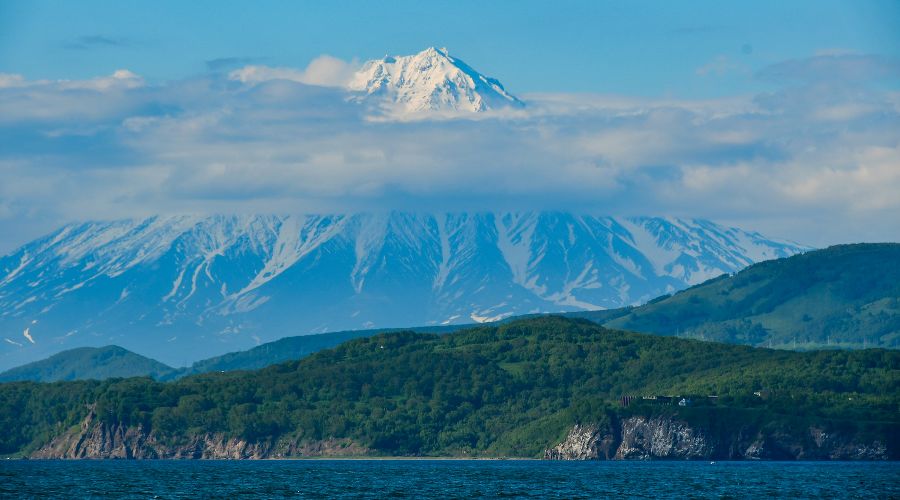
[[445, 479]]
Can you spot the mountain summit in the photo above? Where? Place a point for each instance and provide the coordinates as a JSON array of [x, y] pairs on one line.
[[431, 80]]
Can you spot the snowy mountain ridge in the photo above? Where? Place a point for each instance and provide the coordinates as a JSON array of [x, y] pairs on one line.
[[431, 80], [197, 286]]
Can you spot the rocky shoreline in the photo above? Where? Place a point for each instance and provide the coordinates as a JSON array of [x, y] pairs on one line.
[[95, 440], [632, 438], [668, 438]]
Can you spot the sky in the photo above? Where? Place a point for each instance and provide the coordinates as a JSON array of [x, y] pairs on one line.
[[782, 117]]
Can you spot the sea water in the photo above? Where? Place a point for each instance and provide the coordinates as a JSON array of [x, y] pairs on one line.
[[445, 479]]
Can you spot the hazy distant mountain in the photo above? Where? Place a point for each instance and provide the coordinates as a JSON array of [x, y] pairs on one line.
[[180, 289], [846, 296], [431, 80], [88, 363]]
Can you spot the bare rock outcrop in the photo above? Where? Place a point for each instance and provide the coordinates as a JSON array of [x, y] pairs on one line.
[[96, 440], [661, 437], [669, 438], [584, 442]]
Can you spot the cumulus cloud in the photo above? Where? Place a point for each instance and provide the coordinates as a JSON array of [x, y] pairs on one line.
[[100, 98], [121, 78], [814, 161], [324, 71]]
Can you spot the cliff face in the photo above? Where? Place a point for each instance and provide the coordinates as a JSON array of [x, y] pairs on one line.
[[632, 438], [660, 437], [96, 440], [642, 438], [587, 442]]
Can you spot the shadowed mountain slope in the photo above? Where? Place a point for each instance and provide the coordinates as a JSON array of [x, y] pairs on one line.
[[845, 296], [86, 363]]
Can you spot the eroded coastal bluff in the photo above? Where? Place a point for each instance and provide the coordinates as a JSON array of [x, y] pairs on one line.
[[632, 438], [661, 438]]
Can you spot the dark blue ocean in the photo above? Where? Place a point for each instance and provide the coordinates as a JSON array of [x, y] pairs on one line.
[[445, 479]]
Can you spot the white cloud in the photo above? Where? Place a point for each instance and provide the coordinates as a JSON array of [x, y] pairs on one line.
[[325, 71], [97, 98], [8, 80], [814, 162], [121, 78]]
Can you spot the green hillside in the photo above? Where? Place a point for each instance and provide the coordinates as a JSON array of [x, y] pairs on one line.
[[288, 348], [510, 389], [845, 296], [88, 363]]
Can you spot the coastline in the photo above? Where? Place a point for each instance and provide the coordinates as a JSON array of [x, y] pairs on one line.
[[443, 459]]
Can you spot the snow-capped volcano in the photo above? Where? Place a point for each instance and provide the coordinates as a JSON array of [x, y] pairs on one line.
[[431, 80], [183, 288]]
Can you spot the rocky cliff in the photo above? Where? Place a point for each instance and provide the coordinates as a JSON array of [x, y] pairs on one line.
[[631, 438], [95, 440], [668, 438]]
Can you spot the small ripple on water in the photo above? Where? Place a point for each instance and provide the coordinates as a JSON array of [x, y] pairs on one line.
[[445, 479]]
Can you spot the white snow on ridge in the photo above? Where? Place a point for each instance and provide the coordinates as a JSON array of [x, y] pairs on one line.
[[296, 237], [270, 275], [369, 242], [431, 80], [23, 263], [649, 245], [514, 235], [444, 264]]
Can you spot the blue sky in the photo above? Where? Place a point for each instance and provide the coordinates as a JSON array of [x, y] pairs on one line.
[[781, 117], [637, 48]]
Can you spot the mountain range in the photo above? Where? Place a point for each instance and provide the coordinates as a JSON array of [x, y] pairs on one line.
[[842, 297], [184, 288]]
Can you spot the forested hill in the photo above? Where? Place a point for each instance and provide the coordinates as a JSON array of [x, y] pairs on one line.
[[845, 296], [288, 348], [89, 363], [512, 389], [86, 363]]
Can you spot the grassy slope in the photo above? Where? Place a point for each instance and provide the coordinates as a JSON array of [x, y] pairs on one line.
[[846, 296]]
